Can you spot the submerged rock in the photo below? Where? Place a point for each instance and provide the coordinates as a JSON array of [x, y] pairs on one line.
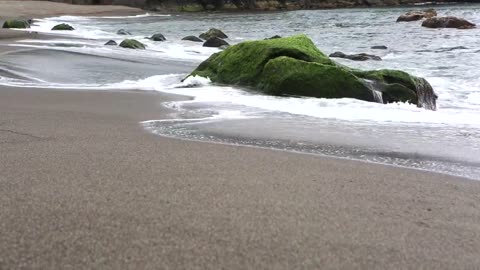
[[158, 37], [274, 37], [379, 47], [416, 15], [215, 42], [132, 44], [123, 32], [356, 57], [111, 43], [213, 32], [192, 38], [448, 22], [19, 24], [63, 27], [295, 66]]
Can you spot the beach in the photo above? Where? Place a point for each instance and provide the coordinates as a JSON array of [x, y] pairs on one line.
[[83, 185]]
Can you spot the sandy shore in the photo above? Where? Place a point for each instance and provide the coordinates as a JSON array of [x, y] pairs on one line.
[[84, 186], [39, 9]]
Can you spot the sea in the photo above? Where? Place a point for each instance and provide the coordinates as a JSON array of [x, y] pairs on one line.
[[399, 134]]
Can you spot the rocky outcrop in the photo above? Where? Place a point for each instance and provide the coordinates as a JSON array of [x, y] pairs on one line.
[[213, 32], [123, 32], [447, 22], [379, 47], [132, 44], [417, 15], [63, 27], [215, 42], [356, 57], [157, 37], [19, 24], [192, 38], [295, 66], [111, 43]]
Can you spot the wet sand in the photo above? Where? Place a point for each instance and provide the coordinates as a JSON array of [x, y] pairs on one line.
[[83, 185], [12, 9]]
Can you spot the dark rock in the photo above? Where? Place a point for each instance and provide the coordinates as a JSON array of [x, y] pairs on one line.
[[158, 37], [380, 47], [19, 24], [123, 32], [213, 32], [132, 44], [63, 27], [192, 38], [356, 57], [416, 15], [111, 43], [447, 22], [215, 42], [451, 49], [274, 37], [295, 66]]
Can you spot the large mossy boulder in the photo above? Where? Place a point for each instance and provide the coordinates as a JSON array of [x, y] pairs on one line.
[[295, 66], [132, 44], [18, 24], [63, 27]]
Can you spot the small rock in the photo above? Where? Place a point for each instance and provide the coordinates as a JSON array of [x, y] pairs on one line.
[[111, 43], [192, 38], [274, 37], [215, 42], [158, 37], [16, 24], [123, 32], [213, 32], [63, 27], [416, 15], [132, 44], [447, 22], [356, 57], [380, 47]]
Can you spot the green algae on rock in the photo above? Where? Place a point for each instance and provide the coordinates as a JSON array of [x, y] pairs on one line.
[[132, 44], [295, 66], [213, 32], [63, 27], [16, 24]]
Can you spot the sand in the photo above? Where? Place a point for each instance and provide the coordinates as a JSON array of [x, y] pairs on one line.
[[38, 9], [84, 186]]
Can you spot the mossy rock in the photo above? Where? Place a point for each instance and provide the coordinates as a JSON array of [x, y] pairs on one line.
[[213, 32], [295, 66], [63, 27], [132, 44], [16, 24]]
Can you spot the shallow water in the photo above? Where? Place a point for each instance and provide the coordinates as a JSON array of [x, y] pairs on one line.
[[447, 140]]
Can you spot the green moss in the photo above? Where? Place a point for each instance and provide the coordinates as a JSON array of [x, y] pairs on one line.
[[388, 76], [289, 76], [243, 63], [16, 24], [132, 44], [63, 27]]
